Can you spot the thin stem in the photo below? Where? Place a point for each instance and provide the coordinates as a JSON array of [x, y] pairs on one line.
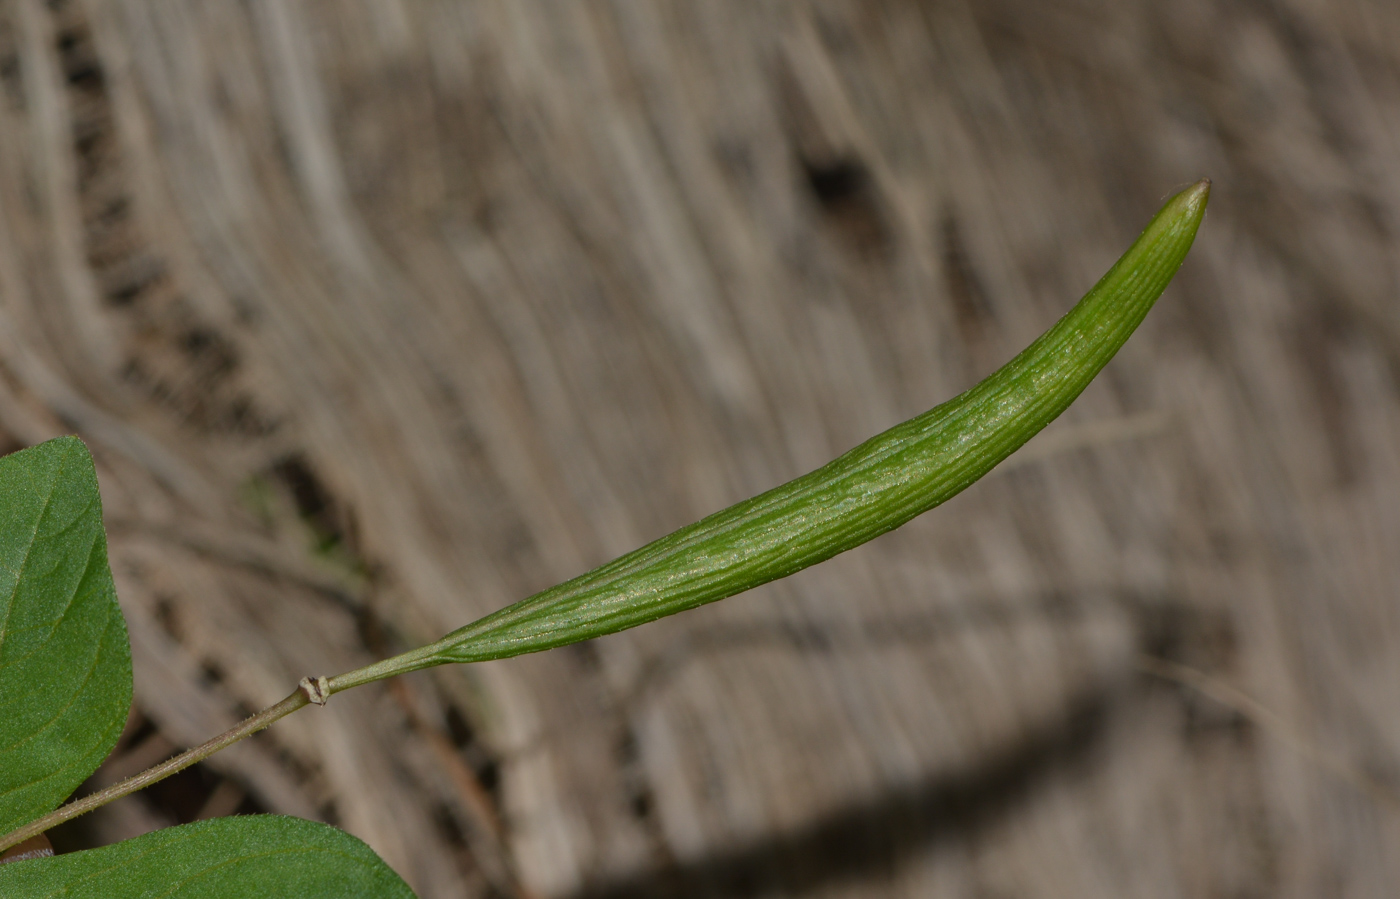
[[140, 781]]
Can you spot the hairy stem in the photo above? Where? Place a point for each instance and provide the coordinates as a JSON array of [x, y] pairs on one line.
[[140, 781]]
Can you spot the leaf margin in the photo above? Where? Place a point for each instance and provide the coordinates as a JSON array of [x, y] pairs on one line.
[[109, 873]]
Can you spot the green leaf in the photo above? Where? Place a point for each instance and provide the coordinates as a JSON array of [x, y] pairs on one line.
[[226, 858], [65, 663]]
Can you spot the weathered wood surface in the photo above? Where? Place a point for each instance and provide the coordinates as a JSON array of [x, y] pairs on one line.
[[475, 295]]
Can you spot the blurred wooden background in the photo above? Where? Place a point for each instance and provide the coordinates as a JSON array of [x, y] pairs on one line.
[[379, 315]]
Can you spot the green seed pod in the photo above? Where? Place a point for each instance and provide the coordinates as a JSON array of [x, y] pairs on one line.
[[869, 490]]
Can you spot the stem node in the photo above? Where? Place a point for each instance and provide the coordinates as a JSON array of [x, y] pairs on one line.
[[317, 690]]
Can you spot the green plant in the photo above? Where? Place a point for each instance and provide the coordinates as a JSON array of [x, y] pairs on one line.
[[65, 666]]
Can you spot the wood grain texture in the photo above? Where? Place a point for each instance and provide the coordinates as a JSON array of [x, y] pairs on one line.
[[379, 315]]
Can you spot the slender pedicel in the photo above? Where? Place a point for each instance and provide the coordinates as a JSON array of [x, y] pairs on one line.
[[156, 773], [872, 489]]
